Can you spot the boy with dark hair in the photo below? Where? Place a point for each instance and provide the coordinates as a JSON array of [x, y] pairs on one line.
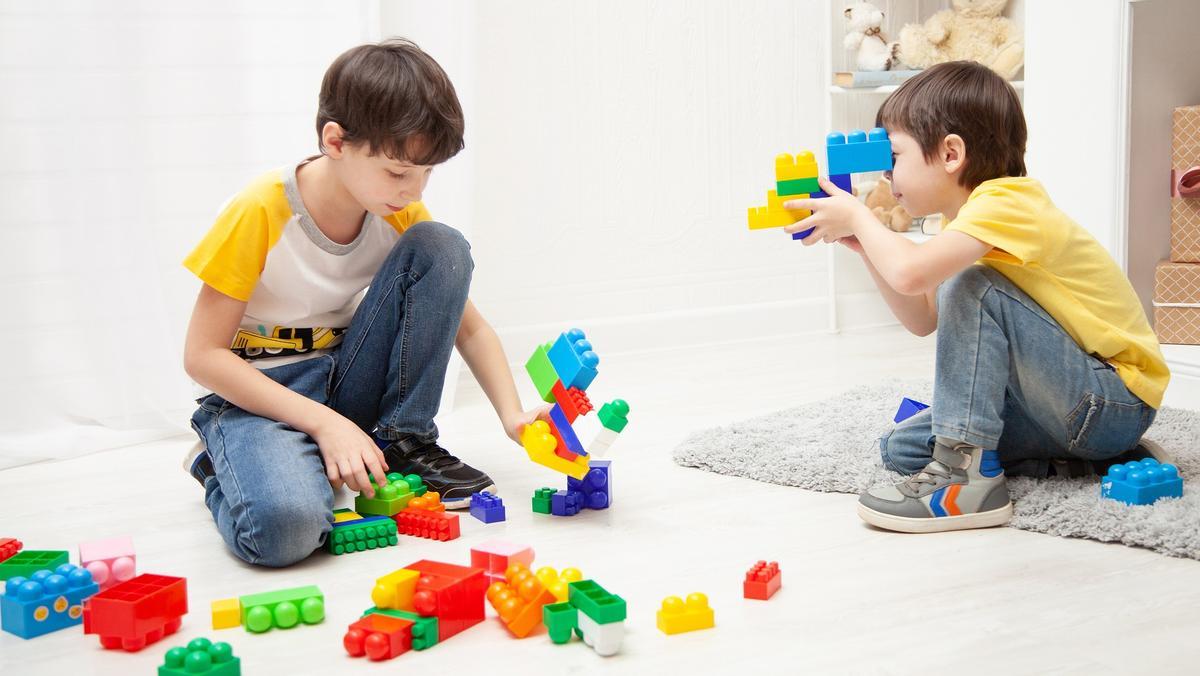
[[314, 384], [1045, 360]]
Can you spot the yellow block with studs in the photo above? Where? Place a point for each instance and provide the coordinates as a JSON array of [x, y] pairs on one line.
[[678, 616], [790, 168]]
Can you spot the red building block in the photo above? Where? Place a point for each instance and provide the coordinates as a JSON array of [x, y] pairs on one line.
[[453, 594], [441, 526], [762, 581], [137, 612], [379, 637], [8, 547], [574, 402], [519, 600]]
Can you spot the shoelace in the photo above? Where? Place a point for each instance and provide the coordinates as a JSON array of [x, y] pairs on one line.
[[934, 473], [433, 455]]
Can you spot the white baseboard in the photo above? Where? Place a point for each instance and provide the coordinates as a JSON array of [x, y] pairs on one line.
[[1184, 362]]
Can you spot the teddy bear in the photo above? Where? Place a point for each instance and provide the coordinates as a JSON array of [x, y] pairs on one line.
[[864, 34], [883, 204], [972, 30]]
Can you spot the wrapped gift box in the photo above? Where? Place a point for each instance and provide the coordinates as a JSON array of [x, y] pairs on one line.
[[1185, 211], [1177, 303]]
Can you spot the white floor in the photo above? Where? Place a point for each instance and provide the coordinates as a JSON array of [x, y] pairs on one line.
[[855, 600]]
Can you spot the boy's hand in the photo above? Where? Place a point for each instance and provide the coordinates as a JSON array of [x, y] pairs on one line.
[[349, 454], [852, 244], [515, 424], [833, 217]]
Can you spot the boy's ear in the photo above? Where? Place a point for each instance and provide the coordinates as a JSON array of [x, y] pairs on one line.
[[333, 140], [954, 153]]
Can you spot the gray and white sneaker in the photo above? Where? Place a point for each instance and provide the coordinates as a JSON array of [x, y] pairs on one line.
[[962, 487]]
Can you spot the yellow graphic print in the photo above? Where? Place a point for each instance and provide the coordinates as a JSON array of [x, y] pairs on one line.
[[284, 341]]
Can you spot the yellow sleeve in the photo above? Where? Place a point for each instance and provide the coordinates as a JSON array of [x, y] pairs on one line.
[[1006, 220], [232, 255], [415, 212]]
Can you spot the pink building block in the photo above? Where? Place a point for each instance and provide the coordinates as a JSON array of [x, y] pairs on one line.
[[110, 562], [495, 556]]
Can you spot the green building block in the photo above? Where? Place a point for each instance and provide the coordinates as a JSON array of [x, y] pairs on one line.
[[598, 604], [416, 484], [542, 373], [201, 657], [561, 619], [613, 415], [541, 500], [27, 562], [360, 535], [283, 609], [388, 500], [424, 629], [797, 186]]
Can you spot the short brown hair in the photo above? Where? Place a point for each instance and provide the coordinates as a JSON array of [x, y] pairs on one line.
[[396, 99], [968, 99]]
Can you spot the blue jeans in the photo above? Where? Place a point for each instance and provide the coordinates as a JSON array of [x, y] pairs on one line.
[[270, 498], [1009, 378]]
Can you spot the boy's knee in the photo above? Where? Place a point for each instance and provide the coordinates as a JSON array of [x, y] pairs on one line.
[[282, 532], [972, 282], [442, 241]]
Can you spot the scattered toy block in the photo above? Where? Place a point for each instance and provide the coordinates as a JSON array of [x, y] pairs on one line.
[[596, 602], [541, 372], [559, 583], [430, 502], [378, 636], [605, 639], [1141, 482], [677, 616], [424, 630], [109, 561], [573, 359], [762, 581], [614, 415], [388, 499], [519, 600], [282, 609], [858, 151], [201, 657], [566, 503], [441, 526], [226, 613], [540, 445], [351, 535], [453, 594], [561, 620], [133, 614], [574, 402], [395, 590], [26, 563], [486, 507], [495, 556], [774, 215], [9, 547], [46, 601], [908, 408], [542, 500], [595, 486]]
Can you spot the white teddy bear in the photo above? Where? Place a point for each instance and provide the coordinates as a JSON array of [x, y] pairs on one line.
[[972, 30], [864, 34]]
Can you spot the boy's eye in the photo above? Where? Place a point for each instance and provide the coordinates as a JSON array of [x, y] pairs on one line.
[[395, 175]]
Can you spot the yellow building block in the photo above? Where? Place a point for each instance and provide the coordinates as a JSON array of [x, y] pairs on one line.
[[539, 444], [676, 616], [557, 582], [346, 515], [789, 168], [395, 590], [774, 215], [226, 613]]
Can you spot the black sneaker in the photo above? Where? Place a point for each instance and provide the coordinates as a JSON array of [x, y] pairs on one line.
[[1075, 467], [452, 478], [198, 463]]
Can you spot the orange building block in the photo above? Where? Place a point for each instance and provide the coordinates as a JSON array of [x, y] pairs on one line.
[[430, 502], [519, 600]]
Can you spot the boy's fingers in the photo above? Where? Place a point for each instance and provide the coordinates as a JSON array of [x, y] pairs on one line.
[[364, 481], [801, 204], [376, 468], [829, 187]]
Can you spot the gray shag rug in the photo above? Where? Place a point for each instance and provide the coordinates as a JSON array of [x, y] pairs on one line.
[[833, 446]]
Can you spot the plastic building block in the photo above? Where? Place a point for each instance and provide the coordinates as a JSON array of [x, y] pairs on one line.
[[561, 620], [487, 507], [282, 609], [573, 359], [596, 602], [135, 613], [566, 503], [378, 636], [8, 547], [344, 515], [774, 215], [908, 408], [424, 630], [226, 613], [495, 556], [358, 535], [30, 561], [109, 561], [840, 180], [453, 594], [422, 523], [797, 175], [676, 616], [602, 442], [543, 499], [519, 600], [858, 151], [45, 601], [395, 590], [1141, 482], [605, 639], [614, 415], [388, 500], [596, 486], [430, 502], [574, 402], [540, 445], [802, 234], [762, 581], [542, 373], [560, 425], [559, 583], [201, 657]]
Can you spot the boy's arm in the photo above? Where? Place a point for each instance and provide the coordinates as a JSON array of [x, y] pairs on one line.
[[208, 360], [480, 347], [916, 269]]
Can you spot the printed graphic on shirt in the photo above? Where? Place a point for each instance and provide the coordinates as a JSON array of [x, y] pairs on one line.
[[284, 341]]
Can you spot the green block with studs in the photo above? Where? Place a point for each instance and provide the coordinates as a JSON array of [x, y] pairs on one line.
[[388, 500], [201, 657], [560, 619], [373, 532], [594, 601], [614, 415], [541, 500], [282, 609], [27, 562]]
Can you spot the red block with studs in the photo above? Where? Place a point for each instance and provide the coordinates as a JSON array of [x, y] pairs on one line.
[[762, 581], [453, 594], [574, 401], [8, 547], [422, 523], [137, 612], [379, 637]]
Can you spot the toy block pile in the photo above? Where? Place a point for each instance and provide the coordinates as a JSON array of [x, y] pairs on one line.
[[592, 491]]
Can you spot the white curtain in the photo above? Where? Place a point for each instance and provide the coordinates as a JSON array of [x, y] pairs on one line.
[[125, 125]]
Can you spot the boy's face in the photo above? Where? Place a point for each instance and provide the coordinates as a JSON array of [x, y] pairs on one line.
[[921, 185], [380, 184]]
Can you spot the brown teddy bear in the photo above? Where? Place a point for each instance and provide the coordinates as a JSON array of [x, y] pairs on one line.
[[973, 30], [883, 204]]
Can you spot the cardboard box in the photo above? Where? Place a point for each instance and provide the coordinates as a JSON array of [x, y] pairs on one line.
[[1185, 211], [1177, 303]]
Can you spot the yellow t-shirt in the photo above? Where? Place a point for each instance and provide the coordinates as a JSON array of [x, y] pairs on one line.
[[1062, 267]]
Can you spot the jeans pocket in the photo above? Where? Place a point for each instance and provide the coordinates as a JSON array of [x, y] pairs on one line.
[[1101, 428], [212, 403]]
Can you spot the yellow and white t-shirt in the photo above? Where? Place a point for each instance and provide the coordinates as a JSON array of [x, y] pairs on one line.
[[301, 288], [1062, 267]]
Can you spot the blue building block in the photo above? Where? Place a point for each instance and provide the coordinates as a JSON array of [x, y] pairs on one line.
[[840, 180], [574, 360], [566, 503], [487, 508], [908, 408], [595, 486], [1141, 482], [859, 152], [803, 233], [571, 440], [45, 601]]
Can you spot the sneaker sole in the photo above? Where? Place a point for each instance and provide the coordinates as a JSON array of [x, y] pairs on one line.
[[465, 503], [938, 524]]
